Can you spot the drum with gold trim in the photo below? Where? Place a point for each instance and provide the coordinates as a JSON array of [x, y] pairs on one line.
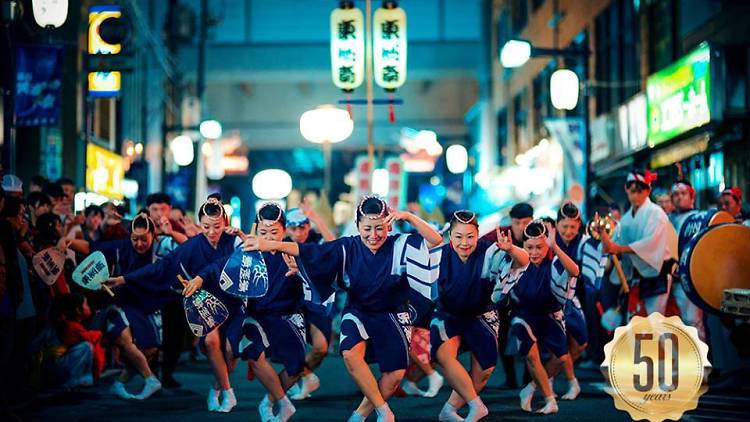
[[716, 259], [696, 221]]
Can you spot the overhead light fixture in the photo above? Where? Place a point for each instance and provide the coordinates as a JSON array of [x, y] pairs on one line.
[[515, 53]]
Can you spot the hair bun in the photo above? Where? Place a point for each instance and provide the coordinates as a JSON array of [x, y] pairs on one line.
[[216, 196]]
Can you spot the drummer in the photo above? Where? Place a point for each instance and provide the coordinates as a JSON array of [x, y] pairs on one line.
[[642, 239], [683, 199], [731, 202], [664, 200]]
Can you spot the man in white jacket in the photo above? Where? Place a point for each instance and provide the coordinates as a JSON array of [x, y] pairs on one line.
[[645, 238]]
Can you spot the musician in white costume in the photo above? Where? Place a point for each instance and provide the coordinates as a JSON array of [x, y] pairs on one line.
[[645, 239]]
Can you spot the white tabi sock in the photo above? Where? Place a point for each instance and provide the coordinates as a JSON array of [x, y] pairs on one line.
[[356, 417], [550, 406], [384, 413], [477, 410], [526, 395], [265, 409], [449, 414], [286, 410], [574, 389]]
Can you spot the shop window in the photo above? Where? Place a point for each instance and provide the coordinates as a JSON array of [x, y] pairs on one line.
[[502, 136], [617, 55], [520, 15], [105, 119], [536, 4], [520, 120], [541, 96], [662, 34], [736, 79]]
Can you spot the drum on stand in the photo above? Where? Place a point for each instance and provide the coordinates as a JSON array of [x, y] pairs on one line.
[[696, 221], [714, 260]]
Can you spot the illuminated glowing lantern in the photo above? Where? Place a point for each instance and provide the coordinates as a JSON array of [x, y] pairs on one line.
[[210, 129], [272, 184], [457, 159], [389, 46], [515, 53], [182, 150], [326, 123], [50, 12], [564, 88], [347, 47]]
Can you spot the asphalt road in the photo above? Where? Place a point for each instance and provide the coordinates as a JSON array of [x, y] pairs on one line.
[[336, 399]]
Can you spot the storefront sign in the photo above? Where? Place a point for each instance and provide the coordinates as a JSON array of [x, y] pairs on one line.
[[632, 125], [679, 96], [104, 84], [104, 172], [347, 48], [97, 15], [680, 151], [602, 134]]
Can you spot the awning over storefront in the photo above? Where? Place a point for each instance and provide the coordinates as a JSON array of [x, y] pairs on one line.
[[694, 145]]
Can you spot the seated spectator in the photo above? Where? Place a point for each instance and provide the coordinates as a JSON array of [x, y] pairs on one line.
[[83, 359], [48, 234]]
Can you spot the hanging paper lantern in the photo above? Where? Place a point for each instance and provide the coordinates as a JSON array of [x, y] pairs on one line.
[[347, 47], [457, 159], [182, 150], [50, 12], [564, 89], [389, 46]]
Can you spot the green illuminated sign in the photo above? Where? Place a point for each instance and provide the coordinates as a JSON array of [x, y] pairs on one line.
[[678, 96]]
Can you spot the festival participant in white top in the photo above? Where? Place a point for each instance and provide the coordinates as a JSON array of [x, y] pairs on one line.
[[643, 239]]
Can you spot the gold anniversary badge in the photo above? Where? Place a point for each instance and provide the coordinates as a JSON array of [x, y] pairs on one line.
[[657, 368]]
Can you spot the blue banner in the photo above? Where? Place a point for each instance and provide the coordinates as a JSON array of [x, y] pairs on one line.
[[38, 85]]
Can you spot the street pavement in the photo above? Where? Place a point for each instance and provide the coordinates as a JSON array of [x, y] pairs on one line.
[[336, 399]]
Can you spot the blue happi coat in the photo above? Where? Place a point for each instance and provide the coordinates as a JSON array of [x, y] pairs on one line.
[[158, 281]]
